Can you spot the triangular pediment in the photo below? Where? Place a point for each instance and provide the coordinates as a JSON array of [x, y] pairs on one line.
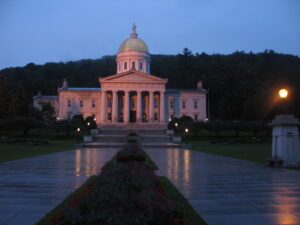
[[133, 77]]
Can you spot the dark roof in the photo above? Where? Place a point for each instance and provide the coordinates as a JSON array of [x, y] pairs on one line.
[[185, 90], [45, 96], [81, 89]]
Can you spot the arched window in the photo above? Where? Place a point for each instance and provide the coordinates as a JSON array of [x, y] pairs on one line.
[[141, 65], [133, 65], [125, 65]]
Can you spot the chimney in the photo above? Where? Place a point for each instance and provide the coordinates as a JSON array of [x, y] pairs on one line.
[[65, 84], [199, 85]]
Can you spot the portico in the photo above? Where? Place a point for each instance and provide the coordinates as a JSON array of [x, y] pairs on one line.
[[132, 97]]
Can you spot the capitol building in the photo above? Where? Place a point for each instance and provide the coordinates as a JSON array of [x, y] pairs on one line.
[[130, 98]]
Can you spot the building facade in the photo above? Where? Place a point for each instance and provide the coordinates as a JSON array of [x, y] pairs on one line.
[[131, 97]]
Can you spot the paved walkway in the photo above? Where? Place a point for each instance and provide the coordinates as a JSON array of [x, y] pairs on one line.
[[224, 191], [228, 191], [29, 188]]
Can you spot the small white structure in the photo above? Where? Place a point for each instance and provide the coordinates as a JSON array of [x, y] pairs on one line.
[[285, 141], [176, 139], [88, 138], [94, 131]]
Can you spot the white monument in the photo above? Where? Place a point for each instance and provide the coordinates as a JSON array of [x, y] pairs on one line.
[[285, 142]]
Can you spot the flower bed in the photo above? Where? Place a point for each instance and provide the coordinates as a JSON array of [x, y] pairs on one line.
[[127, 192]]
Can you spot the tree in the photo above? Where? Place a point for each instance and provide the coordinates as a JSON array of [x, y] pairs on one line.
[[78, 122], [90, 123], [19, 103], [4, 97], [48, 113]]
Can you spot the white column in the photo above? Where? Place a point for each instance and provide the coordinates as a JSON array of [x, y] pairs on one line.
[[114, 106], [162, 107], [126, 107], [139, 107], [103, 106], [151, 106]]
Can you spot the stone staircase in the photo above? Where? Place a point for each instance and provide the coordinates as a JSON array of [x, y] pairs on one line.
[[118, 137]]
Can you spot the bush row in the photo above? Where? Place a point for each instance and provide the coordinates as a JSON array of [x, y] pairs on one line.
[[127, 192]]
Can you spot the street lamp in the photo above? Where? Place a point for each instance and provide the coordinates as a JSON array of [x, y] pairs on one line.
[[78, 130], [176, 124], [88, 123], [283, 93], [186, 130]]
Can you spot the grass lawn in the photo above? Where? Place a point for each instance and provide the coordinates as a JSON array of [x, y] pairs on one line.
[[18, 151], [252, 152]]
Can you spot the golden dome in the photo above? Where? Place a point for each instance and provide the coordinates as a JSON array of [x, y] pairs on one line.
[[133, 43]]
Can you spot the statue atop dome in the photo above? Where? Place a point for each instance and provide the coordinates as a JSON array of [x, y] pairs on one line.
[[133, 34]]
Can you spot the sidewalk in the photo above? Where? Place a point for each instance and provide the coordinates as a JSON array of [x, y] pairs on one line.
[[230, 191]]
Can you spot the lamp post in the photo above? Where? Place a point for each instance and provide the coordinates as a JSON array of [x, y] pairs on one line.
[[283, 94], [78, 131], [186, 130]]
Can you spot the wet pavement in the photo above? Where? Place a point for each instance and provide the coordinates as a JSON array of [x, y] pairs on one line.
[[223, 190], [227, 191], [29, 188]]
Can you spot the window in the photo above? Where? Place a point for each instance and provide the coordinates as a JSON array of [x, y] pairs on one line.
[[155, 103], [195, 104], [133, 103], [133, 65], [125, 65], [109, 116], [119, 66], [81, 103], [155, 116], [196, 117], [183, 104], [141, 65], [93, 103], [69, 103], [171, 104], [109, 102]]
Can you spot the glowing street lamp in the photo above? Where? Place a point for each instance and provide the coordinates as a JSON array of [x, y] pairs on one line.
[[283, 93], [176, 124], [88, 123], [186, 130], [78, 130], [57, 118]]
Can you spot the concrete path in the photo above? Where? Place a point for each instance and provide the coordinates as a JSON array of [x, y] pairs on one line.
[[224, 191], [228, 191], [29, 188]]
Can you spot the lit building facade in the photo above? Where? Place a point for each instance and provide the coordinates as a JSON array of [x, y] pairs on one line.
[[131, 97]]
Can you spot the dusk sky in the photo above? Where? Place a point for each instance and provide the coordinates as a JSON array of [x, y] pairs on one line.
[[41, 31]]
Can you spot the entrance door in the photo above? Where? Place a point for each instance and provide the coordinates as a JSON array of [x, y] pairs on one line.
[[132, 116]]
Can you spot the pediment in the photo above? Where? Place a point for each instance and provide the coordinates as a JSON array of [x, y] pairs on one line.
[[133, 77]]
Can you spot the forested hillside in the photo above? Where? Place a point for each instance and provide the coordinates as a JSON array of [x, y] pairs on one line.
[[242, 86]]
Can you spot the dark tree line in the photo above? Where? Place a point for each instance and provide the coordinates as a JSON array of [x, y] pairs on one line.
[[242, 86]]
